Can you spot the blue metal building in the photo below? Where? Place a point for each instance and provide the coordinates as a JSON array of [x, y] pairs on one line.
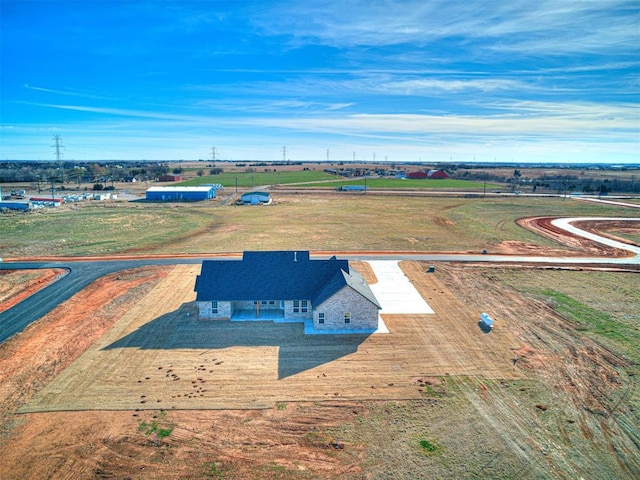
[[180, 194], [13, 205], [255, 198]]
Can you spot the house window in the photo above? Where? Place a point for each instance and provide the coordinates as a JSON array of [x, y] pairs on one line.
[[347, 317], [263, 302], [296, 306], [214, 307], [321, 317], [272, 302], [305, 306]]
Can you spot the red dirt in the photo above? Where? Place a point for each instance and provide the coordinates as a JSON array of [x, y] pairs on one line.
[[32, 358], [583, 246], [16, 285]]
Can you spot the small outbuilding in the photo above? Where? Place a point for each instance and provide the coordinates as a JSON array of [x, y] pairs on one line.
[[435, 174], [169, 178], [417, 175], [256, 198], [180, 194]]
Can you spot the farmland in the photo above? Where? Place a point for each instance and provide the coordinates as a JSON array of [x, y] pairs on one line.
[[347, 222], [123, 381]]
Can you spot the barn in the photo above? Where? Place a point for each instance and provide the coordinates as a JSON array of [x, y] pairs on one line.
[[417, 175], [287, 286], [435, 174], [169, 178], [180, 194], [256, 198]]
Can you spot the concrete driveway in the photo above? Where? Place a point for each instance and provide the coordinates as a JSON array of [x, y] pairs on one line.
[[394, 291]]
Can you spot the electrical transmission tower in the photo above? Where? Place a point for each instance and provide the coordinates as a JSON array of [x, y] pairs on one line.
[[58, 146], [284, 154], [213, 153]]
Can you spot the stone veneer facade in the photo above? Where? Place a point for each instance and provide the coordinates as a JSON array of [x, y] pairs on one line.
[[363, 313]]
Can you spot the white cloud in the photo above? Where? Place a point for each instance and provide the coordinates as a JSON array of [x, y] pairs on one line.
[[544, 27]]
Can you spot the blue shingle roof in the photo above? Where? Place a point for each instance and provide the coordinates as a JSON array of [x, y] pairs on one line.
[[275, 275]]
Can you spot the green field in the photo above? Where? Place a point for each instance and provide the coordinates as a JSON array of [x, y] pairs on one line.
[[319, 179], [310, 222], [255, 179]]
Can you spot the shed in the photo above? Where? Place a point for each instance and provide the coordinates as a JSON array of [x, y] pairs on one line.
[[435, 174], [169, 178], [180, 194], [415, 175], [256, 198], [54, 202], [352, 188]]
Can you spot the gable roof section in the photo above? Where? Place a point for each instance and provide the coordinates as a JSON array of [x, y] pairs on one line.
[[358, 283], [278, 275], [340, 279]]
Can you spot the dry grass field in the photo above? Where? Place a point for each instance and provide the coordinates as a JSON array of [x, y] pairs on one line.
[[292, 222]]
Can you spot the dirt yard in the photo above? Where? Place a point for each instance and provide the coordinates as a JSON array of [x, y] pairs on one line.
[[139, 348], [158, 354]]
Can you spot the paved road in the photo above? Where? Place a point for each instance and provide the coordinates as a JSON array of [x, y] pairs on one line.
[[82, 273], [78, 276]]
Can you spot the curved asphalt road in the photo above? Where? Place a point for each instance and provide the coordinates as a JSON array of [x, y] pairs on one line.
[[82, 273]]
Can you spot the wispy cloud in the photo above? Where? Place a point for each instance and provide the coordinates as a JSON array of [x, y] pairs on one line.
[[122, 112], [545, 26], [68, 92]]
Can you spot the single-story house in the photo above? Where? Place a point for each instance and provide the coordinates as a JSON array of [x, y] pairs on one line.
[[255, 198], [169, 178], [437, 174], [287, 286], [185, 194]]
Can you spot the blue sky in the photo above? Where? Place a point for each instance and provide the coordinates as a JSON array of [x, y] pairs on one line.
[[431, 81]]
